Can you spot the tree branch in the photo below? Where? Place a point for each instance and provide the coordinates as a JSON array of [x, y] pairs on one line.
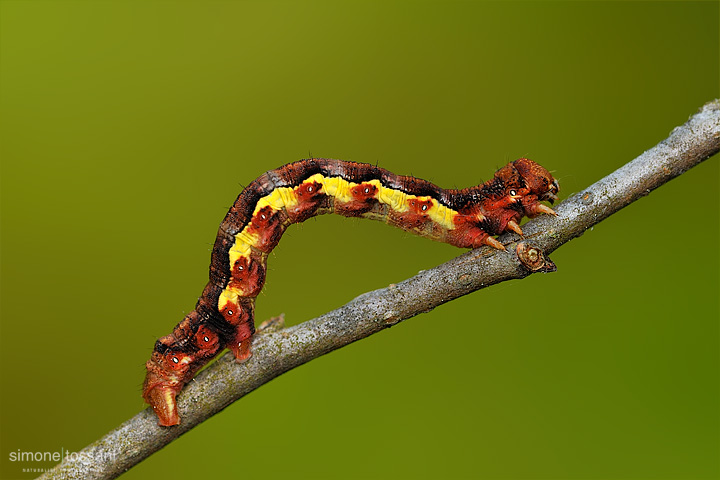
[[278, 350]]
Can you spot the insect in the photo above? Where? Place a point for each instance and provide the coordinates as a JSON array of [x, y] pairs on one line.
[[224, 315]]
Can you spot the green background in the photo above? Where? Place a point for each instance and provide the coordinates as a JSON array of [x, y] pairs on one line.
[[128, 129]]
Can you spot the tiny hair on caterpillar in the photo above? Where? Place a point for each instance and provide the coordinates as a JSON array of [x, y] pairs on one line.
[[224, 314]]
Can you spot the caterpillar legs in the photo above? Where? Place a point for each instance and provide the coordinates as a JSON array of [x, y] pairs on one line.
[[242, 350]]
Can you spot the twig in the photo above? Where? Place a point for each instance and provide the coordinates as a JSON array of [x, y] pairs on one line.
[[278, 350]]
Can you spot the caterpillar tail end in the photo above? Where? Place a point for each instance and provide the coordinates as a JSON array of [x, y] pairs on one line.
[[160, 394], [162, 400]]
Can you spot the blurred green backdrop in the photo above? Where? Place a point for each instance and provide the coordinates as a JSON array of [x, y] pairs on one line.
[[128, 128]]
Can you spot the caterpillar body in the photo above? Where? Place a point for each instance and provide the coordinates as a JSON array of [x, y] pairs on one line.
[[224, 314]]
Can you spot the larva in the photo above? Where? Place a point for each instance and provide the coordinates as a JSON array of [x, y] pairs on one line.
[[223, 317]]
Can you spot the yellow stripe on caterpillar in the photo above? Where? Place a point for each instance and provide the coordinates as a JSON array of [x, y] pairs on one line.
[[239, 249], [278, 199], [335, 187], [439, 213], [228, 295], [395, 199]]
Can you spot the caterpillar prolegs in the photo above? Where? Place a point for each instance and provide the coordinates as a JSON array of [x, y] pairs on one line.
[[223, 317]]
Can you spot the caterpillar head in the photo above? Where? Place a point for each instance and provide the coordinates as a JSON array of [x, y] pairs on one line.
[[537, 180], [516, 191]]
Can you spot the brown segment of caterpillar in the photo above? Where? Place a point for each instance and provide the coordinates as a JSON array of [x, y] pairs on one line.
[[224, 314]]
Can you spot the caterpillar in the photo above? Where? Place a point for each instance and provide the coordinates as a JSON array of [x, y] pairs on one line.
[[224, 314]]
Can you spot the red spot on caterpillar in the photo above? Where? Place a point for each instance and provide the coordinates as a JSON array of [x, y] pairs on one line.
[[364, 191], [177, 361], [269, 225], [415, 219], [236, 313], [308, 190], [207, 341], [363, 201], [248, 275], [310, 198], [419, 207]]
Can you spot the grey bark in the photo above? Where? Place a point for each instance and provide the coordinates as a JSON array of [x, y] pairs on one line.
[[277, 350]]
